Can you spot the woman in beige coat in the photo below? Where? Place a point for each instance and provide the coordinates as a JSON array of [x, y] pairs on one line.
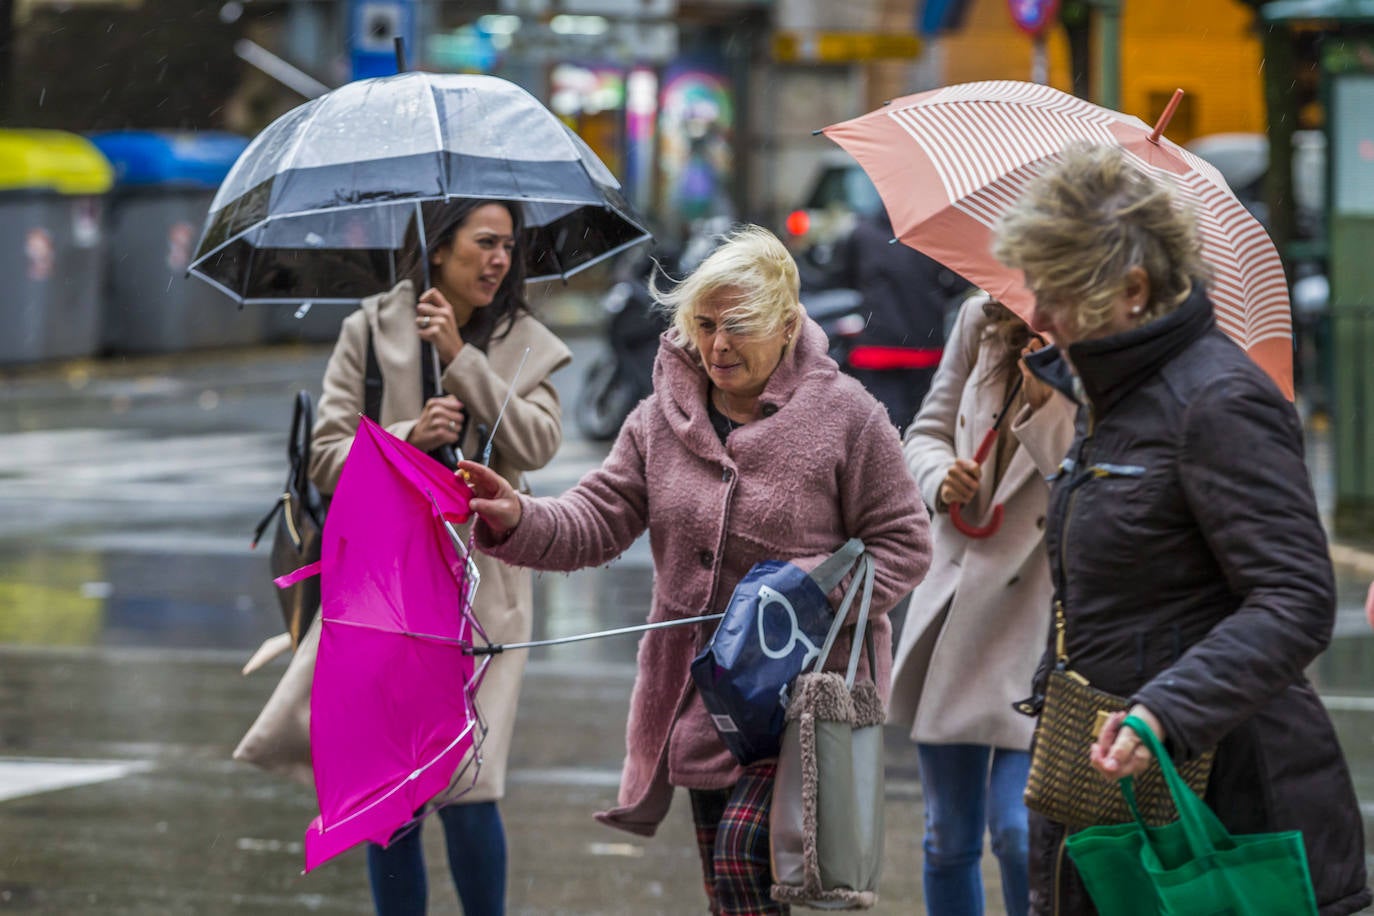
[[976, 625], [476, 319]]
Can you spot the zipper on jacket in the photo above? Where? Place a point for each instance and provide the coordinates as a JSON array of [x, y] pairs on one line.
[[1080, 477]]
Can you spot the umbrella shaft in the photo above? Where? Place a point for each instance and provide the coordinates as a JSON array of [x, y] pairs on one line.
[[497, 648]]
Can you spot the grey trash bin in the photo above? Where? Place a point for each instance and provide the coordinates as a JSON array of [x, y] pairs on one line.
[[52, 245], [164, 182]]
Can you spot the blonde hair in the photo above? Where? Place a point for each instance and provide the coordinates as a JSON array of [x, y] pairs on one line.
[[1085, 222], [756, 269]]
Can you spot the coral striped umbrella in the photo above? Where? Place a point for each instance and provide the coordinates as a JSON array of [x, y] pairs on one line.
[[949, 162]]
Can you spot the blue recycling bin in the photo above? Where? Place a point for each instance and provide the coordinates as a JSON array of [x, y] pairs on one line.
[[164, 182], [53, 187]]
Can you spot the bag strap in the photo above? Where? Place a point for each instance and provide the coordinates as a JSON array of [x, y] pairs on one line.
[[298, 455], [862, 633], [372, 384], [863, 579], [298, 447], [834, 567], [1199, 824]]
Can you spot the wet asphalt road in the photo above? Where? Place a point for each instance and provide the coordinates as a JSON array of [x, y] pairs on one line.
[[129, 599]]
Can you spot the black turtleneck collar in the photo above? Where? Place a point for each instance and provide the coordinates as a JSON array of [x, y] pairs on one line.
[[1109, 368]]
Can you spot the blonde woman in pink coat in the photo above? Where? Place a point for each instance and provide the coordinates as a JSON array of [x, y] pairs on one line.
[[976, 625], [752, 447]]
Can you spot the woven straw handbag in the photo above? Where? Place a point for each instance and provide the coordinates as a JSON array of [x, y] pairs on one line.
[[1062, 785]]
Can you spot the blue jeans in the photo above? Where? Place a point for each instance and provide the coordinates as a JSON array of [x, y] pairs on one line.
[[966, 786], [476, 843]]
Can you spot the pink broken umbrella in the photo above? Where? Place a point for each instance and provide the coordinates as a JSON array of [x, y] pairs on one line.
[[395, 731], [393, 722]]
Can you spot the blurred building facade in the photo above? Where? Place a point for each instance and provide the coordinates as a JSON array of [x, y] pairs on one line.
[[704, 107]]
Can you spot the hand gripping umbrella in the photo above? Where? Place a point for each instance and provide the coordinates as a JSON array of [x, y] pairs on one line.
[[393, 722], [949, 162], [984, 449], [319, 205]]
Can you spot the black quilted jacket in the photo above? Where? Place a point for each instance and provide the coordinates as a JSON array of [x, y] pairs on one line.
[[1196, 580]]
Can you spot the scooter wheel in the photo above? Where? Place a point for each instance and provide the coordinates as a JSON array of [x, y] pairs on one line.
[[606, 400]]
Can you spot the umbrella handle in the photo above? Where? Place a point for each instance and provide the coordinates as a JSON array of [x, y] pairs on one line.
[[974, 531], [985, 447], [988, 530]]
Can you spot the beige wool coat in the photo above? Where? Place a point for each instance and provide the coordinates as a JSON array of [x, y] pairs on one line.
[[976, 626], [529, 435]]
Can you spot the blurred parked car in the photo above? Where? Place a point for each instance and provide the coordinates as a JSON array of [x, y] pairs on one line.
[[814, 232], [1243, 160]]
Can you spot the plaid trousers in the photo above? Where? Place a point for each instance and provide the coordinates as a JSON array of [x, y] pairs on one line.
[[732, 837]]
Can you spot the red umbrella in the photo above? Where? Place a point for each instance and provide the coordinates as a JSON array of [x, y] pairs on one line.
[[949, 162]]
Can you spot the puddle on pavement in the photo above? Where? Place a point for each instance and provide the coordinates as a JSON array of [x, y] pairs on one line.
[[54, 597], [153, 599]]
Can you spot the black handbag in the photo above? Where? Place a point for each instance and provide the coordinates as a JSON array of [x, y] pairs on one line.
[[299, 515]]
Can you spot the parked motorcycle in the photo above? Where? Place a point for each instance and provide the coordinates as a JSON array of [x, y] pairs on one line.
[[622, 377]]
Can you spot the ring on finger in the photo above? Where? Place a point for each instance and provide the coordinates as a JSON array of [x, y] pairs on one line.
[[424, 321], [452, 426]]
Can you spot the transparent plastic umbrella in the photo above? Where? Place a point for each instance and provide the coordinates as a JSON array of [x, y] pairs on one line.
[[321, 204]]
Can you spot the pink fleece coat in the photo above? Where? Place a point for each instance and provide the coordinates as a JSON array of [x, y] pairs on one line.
[[822, 464]]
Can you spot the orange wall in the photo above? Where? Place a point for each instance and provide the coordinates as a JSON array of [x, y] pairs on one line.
[[1205, 47]]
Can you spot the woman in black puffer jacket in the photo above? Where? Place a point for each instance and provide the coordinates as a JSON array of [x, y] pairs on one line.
[[1186, 547]]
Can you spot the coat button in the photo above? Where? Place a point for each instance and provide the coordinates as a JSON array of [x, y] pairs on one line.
[[962, 421], [707, 558], [726, 474], [1040, 522], [768, 409]]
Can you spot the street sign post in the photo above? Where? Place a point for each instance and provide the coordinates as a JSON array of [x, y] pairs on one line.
[[373, 27]]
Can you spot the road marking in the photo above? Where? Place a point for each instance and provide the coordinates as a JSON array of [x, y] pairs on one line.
[[579, 777], [1349, 704], [624, 850], [22, 776]]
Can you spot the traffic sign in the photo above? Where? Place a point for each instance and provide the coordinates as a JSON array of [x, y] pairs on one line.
[[1033, 17], [374, 26]]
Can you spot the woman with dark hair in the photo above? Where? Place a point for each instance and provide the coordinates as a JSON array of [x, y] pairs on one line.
[[973, 633], [475, 318]]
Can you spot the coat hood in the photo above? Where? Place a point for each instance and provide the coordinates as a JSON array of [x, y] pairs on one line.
[[681, 384]]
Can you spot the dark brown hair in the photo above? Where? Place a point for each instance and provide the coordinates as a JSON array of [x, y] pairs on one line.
[[442, 221], [1011, 334]]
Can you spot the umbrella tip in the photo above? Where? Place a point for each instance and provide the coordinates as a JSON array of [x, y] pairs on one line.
[[1167, 116], [818, 131], [886, 102], [894, 240]]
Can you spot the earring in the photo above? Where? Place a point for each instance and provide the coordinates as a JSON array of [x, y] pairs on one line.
[[1138, 310]]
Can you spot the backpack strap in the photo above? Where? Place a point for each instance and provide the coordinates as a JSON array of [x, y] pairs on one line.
[[372, 384]]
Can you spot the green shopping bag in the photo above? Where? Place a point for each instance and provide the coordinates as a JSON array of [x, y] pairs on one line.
[[1191, 867]]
